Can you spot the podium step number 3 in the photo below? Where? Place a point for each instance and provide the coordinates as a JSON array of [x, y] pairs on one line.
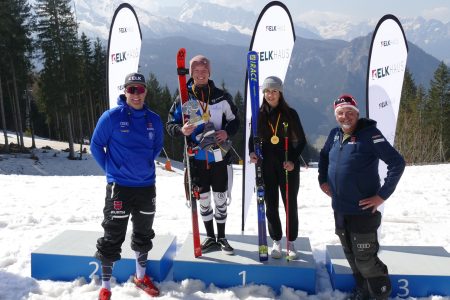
[[415, 271]]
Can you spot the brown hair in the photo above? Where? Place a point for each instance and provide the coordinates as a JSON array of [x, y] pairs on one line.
[[265, 132]]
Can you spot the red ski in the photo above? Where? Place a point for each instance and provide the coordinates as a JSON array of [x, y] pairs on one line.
[[192, 193]]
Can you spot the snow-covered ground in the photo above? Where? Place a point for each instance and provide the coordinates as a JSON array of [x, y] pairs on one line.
[[41, 198]]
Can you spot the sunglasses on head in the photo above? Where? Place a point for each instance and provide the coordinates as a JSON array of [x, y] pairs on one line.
[[135, 90]]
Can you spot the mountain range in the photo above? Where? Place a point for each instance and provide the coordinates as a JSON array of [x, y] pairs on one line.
[[196, 19], [328, 59]]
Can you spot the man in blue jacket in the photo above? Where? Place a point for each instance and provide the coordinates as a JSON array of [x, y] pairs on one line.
[[125, 143], [348, 173]]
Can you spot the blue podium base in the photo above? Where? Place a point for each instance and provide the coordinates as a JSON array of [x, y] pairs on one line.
[[244, 266], [415, 271], [70, 255]]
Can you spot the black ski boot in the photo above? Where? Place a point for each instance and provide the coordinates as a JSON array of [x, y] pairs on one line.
[[209, 244], [380, 287], [359, 294], [361, 290]]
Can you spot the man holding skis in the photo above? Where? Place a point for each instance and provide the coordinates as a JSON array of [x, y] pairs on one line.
[[125, 143], [348, 173], [210, 143]]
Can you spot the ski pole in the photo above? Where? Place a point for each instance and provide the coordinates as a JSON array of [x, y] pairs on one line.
[[241, 162], [285, 125], [306, 165]]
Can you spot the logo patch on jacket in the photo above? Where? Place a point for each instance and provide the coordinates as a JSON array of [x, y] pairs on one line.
[[151, 131], [378, 138], [352, 140], [124, 126], [336, 137]]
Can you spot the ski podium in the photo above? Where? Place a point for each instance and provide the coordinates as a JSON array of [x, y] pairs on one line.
[[251, 262]]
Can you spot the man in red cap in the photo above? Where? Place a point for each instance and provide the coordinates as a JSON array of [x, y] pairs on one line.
[[211, 138], [348, 173]]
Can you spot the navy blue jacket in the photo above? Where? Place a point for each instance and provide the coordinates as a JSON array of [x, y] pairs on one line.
[[125, 144], [351, 167]]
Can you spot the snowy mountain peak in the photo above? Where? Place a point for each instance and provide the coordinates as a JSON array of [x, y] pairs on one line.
[[217, 17], [196, 20]]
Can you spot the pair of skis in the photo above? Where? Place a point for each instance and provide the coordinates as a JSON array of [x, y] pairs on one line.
[[192, 192], [253, 80]]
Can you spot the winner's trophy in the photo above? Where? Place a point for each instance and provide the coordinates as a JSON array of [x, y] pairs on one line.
[[190, 108]]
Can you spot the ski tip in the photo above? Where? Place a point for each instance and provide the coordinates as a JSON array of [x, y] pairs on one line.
[[181, 54]]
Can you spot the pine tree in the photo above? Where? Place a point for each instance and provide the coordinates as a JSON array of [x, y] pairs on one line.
[[416, 137], [160, 100], [407, 114], [16, 24], [425, 137], [175, 145], [99, 78], [57, 35], [238, 139], [438, 109]]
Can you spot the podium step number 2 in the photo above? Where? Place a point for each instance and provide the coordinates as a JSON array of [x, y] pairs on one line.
[[70, 255]]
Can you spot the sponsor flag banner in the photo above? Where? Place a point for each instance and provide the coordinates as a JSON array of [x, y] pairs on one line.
[[124, 47], [273, 39], [386, 69]]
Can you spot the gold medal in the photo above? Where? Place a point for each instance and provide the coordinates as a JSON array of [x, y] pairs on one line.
[[274, 139], [204, 104]]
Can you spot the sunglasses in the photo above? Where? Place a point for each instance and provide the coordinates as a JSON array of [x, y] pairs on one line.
[[135, 90]]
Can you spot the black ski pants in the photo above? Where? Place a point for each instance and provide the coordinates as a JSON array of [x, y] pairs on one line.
[[211, 176], [121, 202], [359, 240], [275, 183]]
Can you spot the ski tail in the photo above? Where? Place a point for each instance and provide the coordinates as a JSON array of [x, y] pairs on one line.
[[253, 79], [192, 190]]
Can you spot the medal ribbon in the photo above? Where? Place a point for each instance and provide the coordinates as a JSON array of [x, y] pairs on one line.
[[276, 125], [204, 107]]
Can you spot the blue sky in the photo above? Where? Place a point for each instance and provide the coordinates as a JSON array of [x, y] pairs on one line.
[[353, 10]]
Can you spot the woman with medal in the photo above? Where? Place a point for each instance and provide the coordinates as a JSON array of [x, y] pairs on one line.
[[210, 139], [273, 113]]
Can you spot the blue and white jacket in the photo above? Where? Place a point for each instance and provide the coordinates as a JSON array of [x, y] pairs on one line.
[[350, 167], [126, 142], [222, 111]]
